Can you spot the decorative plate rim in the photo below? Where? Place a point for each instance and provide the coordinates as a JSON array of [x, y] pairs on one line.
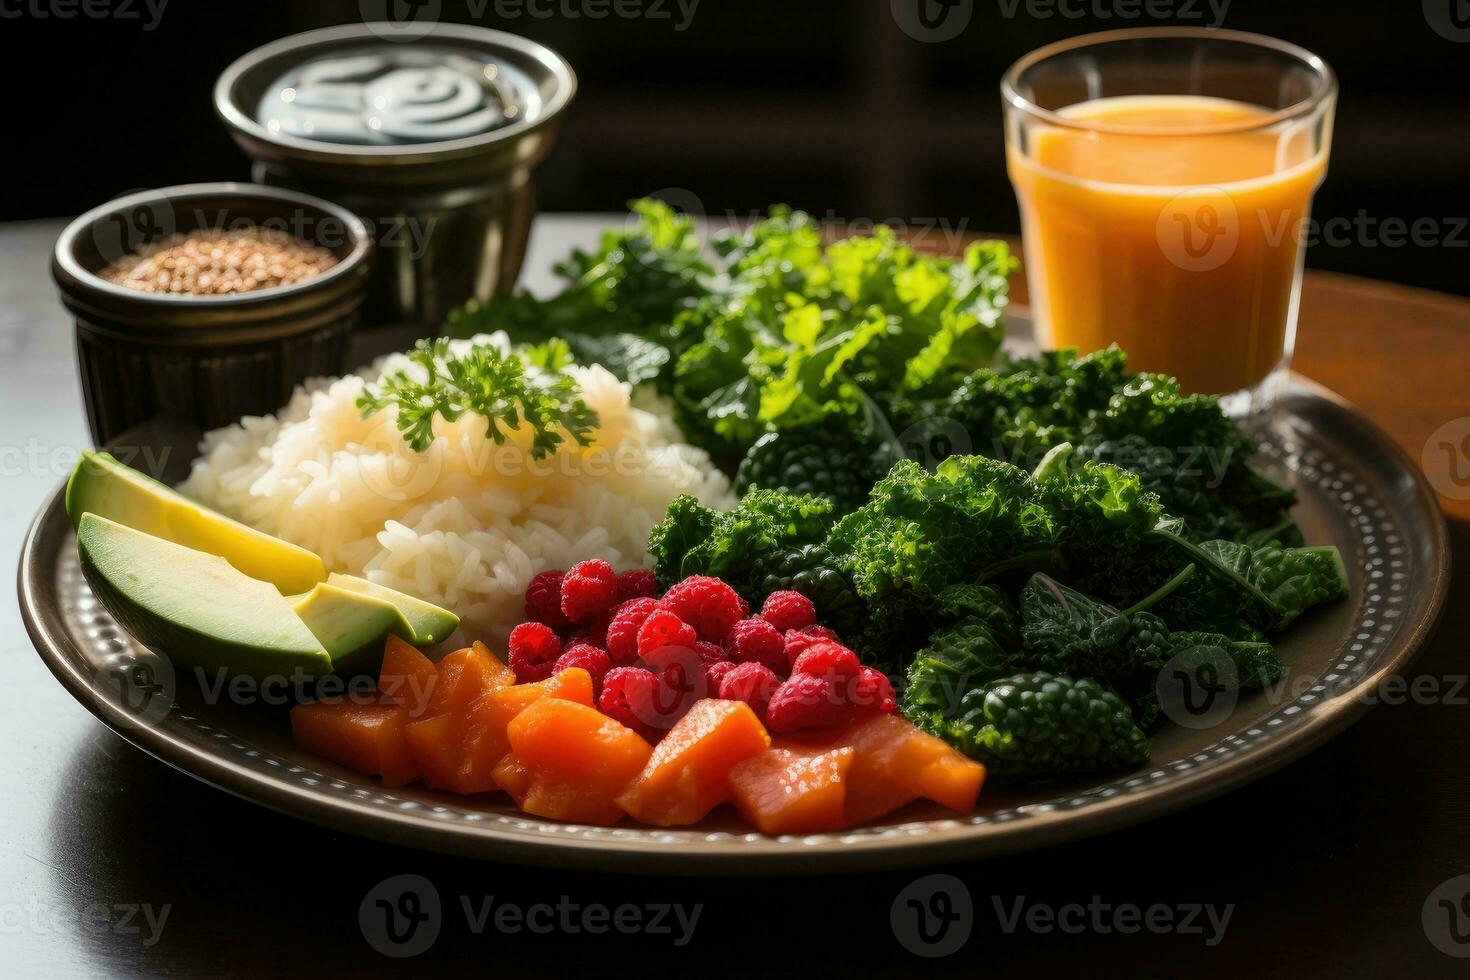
[[1107, 806]]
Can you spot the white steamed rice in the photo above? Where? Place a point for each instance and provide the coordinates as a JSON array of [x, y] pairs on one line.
[[467, 523]]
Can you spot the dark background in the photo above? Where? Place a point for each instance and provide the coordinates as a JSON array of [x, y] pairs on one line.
[[825, 104]]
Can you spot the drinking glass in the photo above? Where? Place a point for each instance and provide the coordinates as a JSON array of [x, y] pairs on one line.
[[1165, 179]]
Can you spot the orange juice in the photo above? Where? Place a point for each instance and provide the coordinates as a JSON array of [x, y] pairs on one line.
[[1178, 239]]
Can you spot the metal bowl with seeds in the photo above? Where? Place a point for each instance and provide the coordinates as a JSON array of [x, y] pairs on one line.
[[202, 303]]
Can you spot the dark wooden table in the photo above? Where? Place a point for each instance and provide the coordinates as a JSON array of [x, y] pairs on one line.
[[1325, 866]]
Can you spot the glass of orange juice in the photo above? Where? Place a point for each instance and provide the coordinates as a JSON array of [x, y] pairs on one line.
[[1165, 178]]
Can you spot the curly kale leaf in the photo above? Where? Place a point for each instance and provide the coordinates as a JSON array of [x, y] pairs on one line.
[[1183, 447], [920, 533], [736, 545], [1041, 725], [509, 391], [686, 525]]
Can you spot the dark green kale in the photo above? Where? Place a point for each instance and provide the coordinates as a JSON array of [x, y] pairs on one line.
[[1183, 447], [1065, 631], [1145, 548], [1041, 725], [736, 545], [986, 603], [1255, 663], [921, 533], [957, 659], [1295, 579], [840, 461]]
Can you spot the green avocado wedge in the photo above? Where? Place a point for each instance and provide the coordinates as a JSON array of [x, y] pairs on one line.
[[101, 485], [423, 623], [193, 607], [351, 626]]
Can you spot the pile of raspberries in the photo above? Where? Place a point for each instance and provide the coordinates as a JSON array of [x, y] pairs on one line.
[[652, 657]]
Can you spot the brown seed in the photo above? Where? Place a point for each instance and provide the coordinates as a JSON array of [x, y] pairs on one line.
[[212, 261]]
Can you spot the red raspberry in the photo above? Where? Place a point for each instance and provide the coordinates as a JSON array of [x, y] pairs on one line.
[[752, 683], [534, 649], [744, 607], [806, 701], [589, 588], [637, 583], [711, 653], [661, 629], [787, 610], [543, 600], [873, 692], [589, 658], [756, 640], [705, 603], [830, 660], [628, 695], [717, 672], [798, 641], [622, 632]]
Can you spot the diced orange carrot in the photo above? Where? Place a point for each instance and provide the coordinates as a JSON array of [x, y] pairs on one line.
[[486, 741], [368, 737], [953, 781], [440, 738], [896, 763], [407, 676], [689, 773], [568, 761], [792, 788]]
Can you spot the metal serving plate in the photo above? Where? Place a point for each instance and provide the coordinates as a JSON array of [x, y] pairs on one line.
[[1358, 491]]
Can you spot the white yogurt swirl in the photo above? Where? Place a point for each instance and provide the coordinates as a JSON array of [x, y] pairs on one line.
[[417, 95]]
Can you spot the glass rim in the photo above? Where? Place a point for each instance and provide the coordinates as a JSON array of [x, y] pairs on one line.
[[1011, 94]]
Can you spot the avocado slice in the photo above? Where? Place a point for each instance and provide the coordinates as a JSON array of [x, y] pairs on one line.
[[351, 626], [194, 607], [101, 485], [424, 623]]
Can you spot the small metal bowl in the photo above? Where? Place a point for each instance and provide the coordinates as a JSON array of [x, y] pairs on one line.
[[451, 217], [205, 361]]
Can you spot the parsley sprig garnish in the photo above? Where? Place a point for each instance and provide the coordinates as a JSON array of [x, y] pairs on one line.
[[506, 390]]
